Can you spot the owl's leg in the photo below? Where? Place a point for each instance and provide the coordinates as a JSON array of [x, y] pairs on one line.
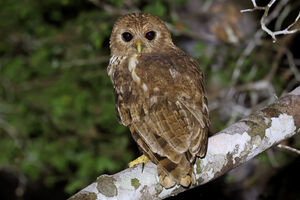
[[140, 160]]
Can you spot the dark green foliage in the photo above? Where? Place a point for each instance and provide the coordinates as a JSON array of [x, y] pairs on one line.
[[157, 8], [57, 116]]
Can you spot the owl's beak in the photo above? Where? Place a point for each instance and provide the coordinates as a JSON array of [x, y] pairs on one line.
[[139, 46]]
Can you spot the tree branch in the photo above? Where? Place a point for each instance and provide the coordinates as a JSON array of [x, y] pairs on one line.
[[226, 150], [282, 146], [264, 19]]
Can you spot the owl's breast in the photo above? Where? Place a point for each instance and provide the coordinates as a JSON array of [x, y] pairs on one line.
[[129, 90], [126, 78]]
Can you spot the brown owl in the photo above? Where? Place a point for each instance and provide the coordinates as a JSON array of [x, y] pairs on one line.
[[159, 95]]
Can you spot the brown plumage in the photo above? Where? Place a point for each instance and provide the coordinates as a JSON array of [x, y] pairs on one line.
[[159, 95]]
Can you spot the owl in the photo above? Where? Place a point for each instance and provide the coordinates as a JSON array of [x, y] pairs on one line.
[[160, 95]]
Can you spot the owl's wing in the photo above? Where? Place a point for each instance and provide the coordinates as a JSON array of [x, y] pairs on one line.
[[173, 118]]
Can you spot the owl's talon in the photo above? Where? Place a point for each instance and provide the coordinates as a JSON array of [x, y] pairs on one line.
[[140, 160]]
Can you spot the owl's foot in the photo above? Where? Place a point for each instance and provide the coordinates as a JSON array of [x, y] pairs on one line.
[[140, 160]]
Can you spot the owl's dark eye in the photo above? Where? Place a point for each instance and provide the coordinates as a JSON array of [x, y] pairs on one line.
[[150, 35], [127, 36]]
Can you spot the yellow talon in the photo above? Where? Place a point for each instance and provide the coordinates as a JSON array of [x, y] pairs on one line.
[[142, 159]]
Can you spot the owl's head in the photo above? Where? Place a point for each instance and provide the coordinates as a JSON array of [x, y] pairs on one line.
[[139, 33]]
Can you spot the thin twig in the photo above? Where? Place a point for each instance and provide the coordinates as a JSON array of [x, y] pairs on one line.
[[282, 146], [247, 51], [276, 11], [292, 64], [264, 19]]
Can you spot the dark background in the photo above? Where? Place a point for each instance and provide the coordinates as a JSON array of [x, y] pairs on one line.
[[58, 126]]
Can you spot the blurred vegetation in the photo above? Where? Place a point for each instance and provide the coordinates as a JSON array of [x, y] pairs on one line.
[[57, 112], [57, 116]]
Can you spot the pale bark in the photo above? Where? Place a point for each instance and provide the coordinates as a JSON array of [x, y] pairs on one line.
[[226, 150]]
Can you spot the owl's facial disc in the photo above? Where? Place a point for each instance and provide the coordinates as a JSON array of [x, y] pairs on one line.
[[138, 39], [140, 33]]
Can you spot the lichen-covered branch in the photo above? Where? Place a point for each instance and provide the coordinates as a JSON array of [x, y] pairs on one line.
[[226, 150]]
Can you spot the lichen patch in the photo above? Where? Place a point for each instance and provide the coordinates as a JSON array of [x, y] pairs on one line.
[[223, 144], [198, 166], [255, 125], [106, 186], [84, 196], [281, 127], [135, 183]]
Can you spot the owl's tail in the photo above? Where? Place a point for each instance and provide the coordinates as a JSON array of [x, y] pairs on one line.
[[169, 172]]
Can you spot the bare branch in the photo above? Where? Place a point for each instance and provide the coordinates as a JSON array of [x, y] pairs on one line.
[[292, 65], [247, 51], [256, 40], [282, 146], [226, 150], [276, 12], [266, 19]]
